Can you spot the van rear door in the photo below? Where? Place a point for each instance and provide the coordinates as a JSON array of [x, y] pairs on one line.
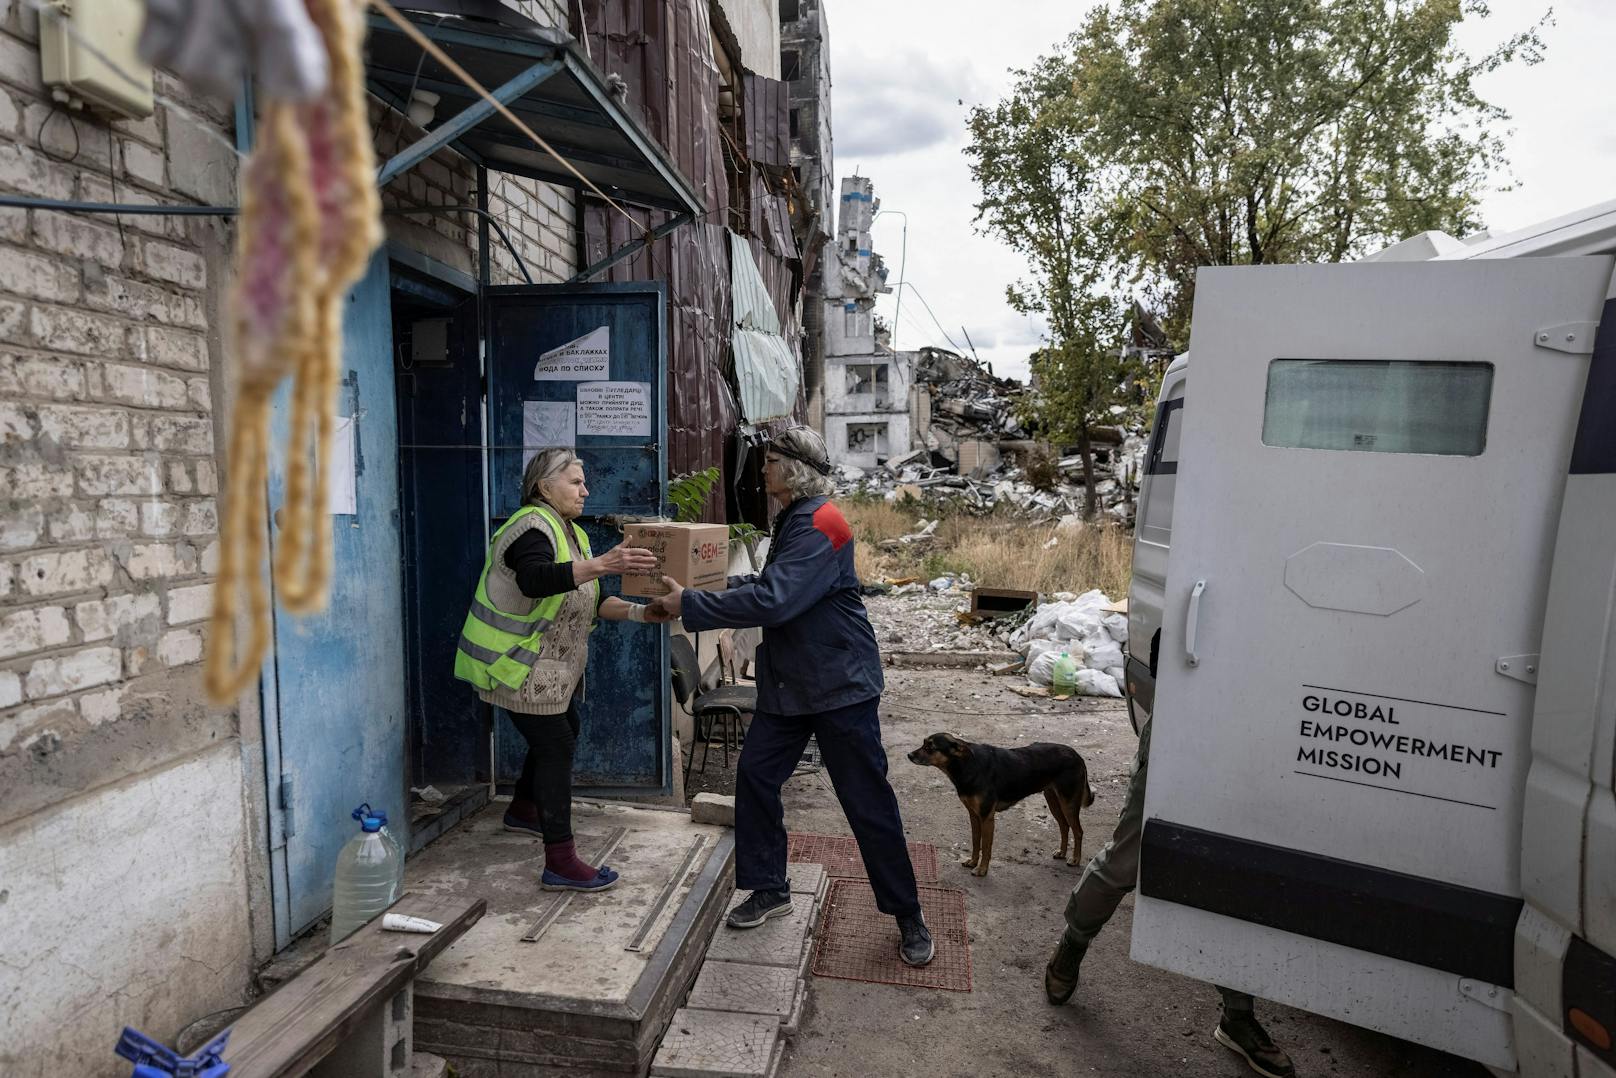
[[1369, 482]]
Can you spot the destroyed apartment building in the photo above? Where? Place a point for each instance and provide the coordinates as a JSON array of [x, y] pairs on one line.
[[969, 444]]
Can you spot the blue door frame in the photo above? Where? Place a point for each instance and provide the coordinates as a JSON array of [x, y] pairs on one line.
[[625, 746]]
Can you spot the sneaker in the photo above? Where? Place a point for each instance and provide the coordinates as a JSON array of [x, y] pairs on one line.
[[916, 949], [759, 908], [1060, 975], [1242, 1035]]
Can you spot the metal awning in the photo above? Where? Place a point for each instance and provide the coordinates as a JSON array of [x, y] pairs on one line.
[[539, 74]]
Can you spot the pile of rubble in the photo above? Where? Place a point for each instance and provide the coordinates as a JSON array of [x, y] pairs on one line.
[[977, 454], [924, 616], [922, 477]]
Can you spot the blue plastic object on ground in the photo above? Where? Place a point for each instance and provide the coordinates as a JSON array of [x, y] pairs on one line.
[[153, 1060]]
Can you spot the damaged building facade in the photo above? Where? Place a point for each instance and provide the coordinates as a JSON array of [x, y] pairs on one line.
[[155, 849], [805, 69], [869, 393]]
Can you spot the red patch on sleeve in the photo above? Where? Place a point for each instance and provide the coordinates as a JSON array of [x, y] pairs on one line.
[[832, 525]]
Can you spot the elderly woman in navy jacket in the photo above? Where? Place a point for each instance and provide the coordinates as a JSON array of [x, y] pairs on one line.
[[818, 674]]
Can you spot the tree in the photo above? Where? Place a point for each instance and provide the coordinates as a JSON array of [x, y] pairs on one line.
[[1039, 196], [1228, 132]]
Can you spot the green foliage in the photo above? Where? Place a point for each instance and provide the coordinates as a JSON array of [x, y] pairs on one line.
[[1231, 132], [1167, 135], [689, 494]]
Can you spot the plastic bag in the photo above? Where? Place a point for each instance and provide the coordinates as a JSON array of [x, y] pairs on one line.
[[1095, 683], [1117, 626], [1041, 671], [1103, 656]]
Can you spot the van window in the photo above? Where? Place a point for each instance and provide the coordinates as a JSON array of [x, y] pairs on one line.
[[1156, 511], [1378, 406]]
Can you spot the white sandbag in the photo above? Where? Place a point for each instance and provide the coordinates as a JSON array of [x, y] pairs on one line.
[[1037, 648], [1117, 674], [1103, 656], [1117, 626], [1041, 671], [1078, 624], [1096, 683]]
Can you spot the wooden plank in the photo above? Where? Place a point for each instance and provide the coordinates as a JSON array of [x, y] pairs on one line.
[[291, 1030]]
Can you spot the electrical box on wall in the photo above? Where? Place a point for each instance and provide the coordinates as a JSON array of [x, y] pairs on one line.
[[87, 55]]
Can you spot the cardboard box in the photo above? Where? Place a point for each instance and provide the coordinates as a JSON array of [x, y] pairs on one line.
[[696, 555]]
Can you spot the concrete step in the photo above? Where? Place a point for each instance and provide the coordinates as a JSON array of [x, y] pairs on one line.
[[746, 988], [717, 1044], [780, 941], [808, 878]]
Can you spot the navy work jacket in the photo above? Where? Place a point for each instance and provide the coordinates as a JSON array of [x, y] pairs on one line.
[[818, 651]]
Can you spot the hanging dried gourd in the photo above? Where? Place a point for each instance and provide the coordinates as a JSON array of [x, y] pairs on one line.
[[309, 222]]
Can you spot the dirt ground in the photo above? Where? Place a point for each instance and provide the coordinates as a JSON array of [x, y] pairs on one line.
[[1125, 1020]]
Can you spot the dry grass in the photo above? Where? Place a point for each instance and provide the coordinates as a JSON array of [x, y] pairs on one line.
[[998, 550]]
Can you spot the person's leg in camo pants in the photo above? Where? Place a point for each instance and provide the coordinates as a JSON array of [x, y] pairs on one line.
[[1110, 875]]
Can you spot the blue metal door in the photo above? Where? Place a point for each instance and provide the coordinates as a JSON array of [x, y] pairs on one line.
[[334, 688], [626, 740]]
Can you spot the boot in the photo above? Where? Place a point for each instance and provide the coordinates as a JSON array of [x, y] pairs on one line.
[[1060, 975]]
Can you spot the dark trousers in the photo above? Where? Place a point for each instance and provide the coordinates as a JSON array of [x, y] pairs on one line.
[[547, 771], [850, 745]]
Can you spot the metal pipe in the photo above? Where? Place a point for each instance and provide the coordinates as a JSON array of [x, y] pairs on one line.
[[67, 205]]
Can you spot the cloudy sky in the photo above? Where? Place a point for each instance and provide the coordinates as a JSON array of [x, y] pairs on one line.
[[901, 67]]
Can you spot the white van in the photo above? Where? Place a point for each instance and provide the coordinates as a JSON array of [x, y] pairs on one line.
[[1372, 613]]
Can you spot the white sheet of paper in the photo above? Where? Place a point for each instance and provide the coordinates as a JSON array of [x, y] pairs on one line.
[[545, 424], [586, 359], [342, 497], [615, 409]]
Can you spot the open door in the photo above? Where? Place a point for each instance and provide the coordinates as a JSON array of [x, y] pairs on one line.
[[1369, 480], [585, 365]]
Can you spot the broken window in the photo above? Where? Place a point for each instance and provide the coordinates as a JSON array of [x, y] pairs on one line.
[[790, 66], [867, 438], [792, 116], [867, 378], [790, 10]]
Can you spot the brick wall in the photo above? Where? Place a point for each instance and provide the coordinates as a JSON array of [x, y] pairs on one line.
[[108, 480]]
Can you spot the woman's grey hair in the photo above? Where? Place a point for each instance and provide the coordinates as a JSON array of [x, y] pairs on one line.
[[800, 479], [545, 466]]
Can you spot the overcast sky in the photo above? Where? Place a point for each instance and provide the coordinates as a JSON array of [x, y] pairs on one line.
[[900, 68]]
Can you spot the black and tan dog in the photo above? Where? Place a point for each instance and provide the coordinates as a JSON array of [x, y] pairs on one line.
[[988, 778]]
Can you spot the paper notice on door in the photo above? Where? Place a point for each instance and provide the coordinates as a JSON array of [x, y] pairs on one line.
[[615, 409], [546, 424], [583, 360], [342, 493]]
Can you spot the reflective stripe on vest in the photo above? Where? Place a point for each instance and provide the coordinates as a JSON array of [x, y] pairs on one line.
[[500, 648]]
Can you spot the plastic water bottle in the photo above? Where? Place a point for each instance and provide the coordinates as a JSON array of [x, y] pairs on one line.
[[370, 874], [1064, 675]]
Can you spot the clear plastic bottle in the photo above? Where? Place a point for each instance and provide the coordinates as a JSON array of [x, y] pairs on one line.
[[370, 874], [1064, 676]]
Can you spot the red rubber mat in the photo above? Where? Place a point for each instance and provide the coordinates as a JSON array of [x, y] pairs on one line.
[[840, 856], [857, 942]]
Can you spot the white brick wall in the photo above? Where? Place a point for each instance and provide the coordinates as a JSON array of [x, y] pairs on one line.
[[107, 469]]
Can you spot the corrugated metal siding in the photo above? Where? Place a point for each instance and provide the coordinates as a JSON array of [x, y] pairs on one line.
[[768, 121], [662, 49]]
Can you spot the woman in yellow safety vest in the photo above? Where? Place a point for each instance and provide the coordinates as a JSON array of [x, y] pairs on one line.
[[526, 642]]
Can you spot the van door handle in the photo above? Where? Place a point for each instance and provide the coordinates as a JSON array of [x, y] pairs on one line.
[[1190, 619]]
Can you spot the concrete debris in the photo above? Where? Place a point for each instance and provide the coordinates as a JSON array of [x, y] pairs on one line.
[[977, 455], [716, 809], [915, 618]]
